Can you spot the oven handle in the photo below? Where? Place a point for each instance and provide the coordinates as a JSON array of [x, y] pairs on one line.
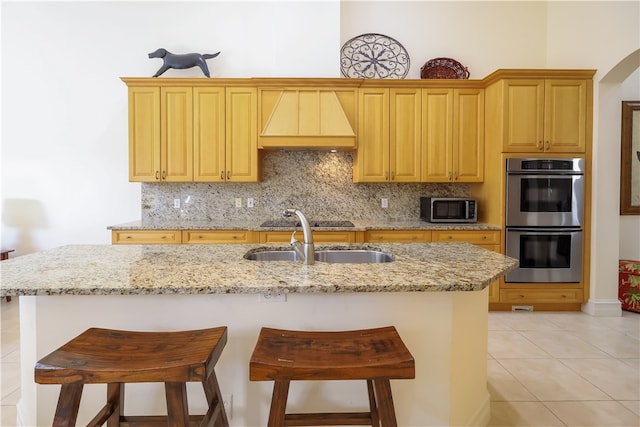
[[545, 174], [546, 230]]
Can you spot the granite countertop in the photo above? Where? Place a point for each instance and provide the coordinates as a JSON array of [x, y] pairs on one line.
[[216, 269], [359, 225]]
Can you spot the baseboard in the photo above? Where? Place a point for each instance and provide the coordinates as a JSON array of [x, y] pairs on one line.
[[483, 415], [603, 308]]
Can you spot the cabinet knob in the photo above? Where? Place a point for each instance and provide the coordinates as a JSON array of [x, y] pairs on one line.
[[228, 174], [128, 237], [484, 237], [393, 175], [164, 175], [547, 145], [157, 175], [539, 145], [450, 176]]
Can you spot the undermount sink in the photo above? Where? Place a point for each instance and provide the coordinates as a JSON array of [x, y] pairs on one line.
[[344, 256], [353, 256], [272, 256]]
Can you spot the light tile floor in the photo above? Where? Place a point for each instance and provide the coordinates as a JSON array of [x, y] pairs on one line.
[[545, 369]]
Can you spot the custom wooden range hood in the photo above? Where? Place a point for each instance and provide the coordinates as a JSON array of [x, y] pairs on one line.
[[304, 117]]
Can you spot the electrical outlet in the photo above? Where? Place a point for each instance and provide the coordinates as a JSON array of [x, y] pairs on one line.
[[238, 202], [176, 203], [384, 203], [227, 402], [250, 202], [273, 297]]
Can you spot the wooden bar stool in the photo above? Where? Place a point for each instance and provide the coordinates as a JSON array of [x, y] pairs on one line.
[[374, 355], [105, 356]]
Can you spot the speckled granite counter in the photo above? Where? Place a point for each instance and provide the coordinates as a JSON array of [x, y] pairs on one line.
[[66, 290], [221, 269], [359, 225]]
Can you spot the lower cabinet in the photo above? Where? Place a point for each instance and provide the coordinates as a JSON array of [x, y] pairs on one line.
[[219, 236], [318, 236], [530, 296], [145, 237], [397, 236]]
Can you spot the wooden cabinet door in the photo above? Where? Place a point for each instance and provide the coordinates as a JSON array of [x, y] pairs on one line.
[[371, 163], [437, 139], [145, 237], [565, 116], [405, 135], [176, 135], [468, 135], [219, 236], [241, 126], [144, 134], [523, 116], [318, 236], [208, 134], [397, 236], [545, 116]]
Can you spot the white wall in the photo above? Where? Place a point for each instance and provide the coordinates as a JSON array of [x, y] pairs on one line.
[[64, 115], [64, 130], [484, 36]]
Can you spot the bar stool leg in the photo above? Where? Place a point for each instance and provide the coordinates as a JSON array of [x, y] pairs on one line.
[[177, 409], [384, 400], [115, 397], [373, 407], [214, 399], [68, 404], [278, 403]]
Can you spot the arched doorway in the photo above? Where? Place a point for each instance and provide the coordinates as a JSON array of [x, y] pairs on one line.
[[605, 202]]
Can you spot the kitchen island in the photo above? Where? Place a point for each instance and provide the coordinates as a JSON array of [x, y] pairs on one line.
[[434, 293]]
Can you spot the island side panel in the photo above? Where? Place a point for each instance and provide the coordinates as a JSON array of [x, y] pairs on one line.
[[432, 324]]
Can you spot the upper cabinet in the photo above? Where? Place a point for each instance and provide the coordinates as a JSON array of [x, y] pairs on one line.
[[225, 129], [550, 114], [188, 133], [452, 135], [307, 113], [389, 124], [427, 130], [160, 134]]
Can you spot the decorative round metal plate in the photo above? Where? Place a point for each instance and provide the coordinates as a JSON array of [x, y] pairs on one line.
[[374, 56]]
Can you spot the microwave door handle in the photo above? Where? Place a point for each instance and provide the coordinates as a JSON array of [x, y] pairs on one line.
[[466, 206]]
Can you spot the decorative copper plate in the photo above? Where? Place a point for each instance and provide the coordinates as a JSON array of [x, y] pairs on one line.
[[443, 68]]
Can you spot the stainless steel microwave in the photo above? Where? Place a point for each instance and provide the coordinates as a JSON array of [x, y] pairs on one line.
[[448, 209]]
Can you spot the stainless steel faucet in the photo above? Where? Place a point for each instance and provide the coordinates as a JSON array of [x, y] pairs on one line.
[[305, 251]]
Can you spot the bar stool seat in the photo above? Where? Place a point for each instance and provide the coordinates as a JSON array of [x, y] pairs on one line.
[[375, 355], [113, 357]]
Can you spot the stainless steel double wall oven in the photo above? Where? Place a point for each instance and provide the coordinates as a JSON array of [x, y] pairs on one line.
[[545, 219]]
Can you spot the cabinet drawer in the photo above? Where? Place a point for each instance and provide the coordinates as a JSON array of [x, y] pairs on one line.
[[145, 237], [469, 236], [218, 236], [318, 236], [540, 295], [397, 236]]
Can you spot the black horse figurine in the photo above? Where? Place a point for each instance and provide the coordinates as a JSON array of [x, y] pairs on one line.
[[180, 62]]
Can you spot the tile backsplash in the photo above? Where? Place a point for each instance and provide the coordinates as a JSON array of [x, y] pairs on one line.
[[318, 183]]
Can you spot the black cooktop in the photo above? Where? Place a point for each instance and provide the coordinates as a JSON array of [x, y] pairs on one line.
[[290, 223]]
